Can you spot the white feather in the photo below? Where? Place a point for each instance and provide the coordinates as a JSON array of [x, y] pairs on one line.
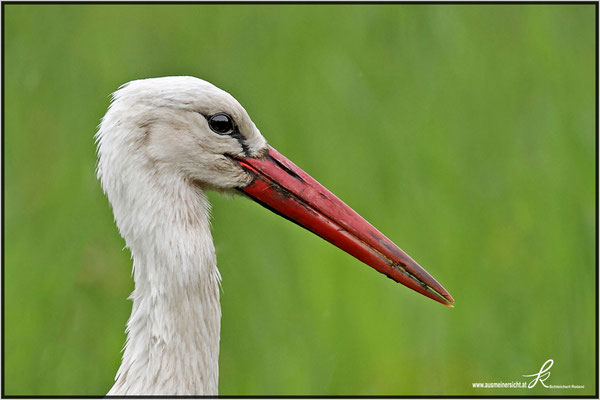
[[156, 156]]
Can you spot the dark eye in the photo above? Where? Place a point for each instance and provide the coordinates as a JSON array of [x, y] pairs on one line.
[[221, 124]]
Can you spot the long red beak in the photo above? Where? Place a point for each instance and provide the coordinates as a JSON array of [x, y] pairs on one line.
[[285, 189]]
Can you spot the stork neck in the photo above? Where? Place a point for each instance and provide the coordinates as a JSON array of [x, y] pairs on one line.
[[173, 333]]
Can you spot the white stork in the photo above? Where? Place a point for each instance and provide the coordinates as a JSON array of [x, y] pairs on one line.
[[161, 145]]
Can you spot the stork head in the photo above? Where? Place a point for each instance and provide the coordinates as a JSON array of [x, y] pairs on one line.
[[181, 126], [183, 129]]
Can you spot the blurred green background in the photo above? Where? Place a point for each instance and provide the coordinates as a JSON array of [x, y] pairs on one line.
[[464, 133]]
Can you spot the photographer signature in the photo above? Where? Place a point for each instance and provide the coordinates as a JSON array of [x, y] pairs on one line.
[[542, 375]]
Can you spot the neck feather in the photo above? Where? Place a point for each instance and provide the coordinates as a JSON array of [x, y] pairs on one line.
[[173, 333]]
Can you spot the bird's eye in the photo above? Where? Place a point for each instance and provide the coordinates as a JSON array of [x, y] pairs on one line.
[[221, 124]]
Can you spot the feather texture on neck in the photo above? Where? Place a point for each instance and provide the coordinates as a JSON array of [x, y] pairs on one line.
[[173, 332]]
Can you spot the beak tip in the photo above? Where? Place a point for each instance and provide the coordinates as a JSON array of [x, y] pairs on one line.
[[449, 301]]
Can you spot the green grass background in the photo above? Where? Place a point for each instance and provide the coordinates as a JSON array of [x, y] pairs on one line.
[[464, 133]]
